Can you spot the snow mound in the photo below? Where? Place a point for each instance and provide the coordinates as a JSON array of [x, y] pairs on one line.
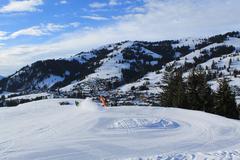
[[144, 123], [88, 105]]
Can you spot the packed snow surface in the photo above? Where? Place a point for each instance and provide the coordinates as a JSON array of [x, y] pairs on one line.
[[46, 130]]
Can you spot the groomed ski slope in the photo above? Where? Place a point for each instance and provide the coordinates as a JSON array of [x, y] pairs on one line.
[[44, 130]]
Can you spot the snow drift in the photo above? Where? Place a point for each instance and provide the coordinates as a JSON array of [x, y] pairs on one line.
[[88, 105]]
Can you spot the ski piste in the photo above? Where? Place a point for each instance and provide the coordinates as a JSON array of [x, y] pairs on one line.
[[47, 130]]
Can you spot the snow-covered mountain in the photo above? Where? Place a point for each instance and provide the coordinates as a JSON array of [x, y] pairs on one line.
[[130, 65], [114, 61], [218, 55]]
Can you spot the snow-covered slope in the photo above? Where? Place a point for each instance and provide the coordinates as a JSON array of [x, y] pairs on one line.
[[220, 56], [110, 67], [44, 130], [151, 80], [130, 64], [106, 62]]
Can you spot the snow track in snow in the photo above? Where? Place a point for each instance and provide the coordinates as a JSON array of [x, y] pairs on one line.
[[146, 123], [44, 130]]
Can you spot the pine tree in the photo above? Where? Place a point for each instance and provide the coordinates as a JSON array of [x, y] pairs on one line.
[[3, 98], [179, 96], [2, 101], [206, 96], [225, 102], [173, 89], [167, 91], [192, 90], [199, 93]]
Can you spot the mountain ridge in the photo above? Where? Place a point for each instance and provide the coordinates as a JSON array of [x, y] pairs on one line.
[[111, 67]]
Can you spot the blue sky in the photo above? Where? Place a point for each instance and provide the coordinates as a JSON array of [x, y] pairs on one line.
[[45, 19], [32, 30]]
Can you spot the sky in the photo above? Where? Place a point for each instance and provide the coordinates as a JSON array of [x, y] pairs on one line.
[[32, 30]]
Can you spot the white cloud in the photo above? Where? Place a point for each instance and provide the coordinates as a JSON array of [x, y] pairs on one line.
[[95, 17], [135, 9], [113, 2], [21, 6], [2, 45], [162, 20], [32, 31], [51, 27], [43, 29], [110, 3], [2, 34], [63, 2], [35, 31], [38, 30], [97, 5], [74, 24]]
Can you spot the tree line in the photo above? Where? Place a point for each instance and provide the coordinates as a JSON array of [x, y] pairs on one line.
[[193, 92]]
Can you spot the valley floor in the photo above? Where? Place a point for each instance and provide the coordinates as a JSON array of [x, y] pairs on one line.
[[44, 130]]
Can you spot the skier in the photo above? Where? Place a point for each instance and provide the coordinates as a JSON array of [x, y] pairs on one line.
[[103, 101]]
